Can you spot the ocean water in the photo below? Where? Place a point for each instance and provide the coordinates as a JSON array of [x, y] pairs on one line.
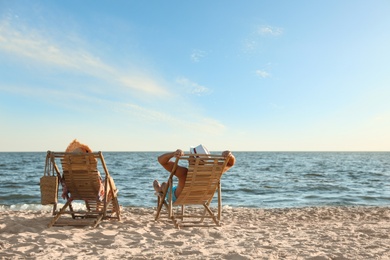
[[258, 179]]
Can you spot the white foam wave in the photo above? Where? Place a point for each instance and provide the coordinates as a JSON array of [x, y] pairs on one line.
[[38, 207]]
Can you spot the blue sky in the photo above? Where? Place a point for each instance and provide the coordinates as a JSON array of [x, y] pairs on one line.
[[160, 75]]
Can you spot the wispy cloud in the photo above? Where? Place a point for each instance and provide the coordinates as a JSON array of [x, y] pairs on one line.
[[262, 73], [197, 55], [81, 102], [192, 87], [43, 51], [71, 100], [249, 45], [32, 45], [197, 124], [269, 30], [144, 84], [253, 43], [28, 45]]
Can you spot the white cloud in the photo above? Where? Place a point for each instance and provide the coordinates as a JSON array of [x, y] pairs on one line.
[[269, 30], [192, 124], [192, 87], [250, 45], [107, 81], [43, 51], [78, 101], [253, 43], [144, 84], [197, 55], [262, 73], [32, 45]]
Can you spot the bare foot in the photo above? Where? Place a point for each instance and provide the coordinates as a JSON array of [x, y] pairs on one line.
[[163, 185], [156, 186]]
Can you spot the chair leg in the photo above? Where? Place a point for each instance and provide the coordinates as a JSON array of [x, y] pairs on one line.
[[160, 202], [117, 209], [54, 209], [56, 217], [170, 202], [98, 220], [219, 201], [211, 214]]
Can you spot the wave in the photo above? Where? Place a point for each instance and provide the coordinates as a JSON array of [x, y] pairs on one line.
[[38, 207]]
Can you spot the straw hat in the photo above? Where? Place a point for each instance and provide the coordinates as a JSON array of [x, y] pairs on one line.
[[77, 147], [200, 149]]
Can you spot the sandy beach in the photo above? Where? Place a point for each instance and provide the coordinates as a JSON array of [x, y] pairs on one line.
[[304, 233]]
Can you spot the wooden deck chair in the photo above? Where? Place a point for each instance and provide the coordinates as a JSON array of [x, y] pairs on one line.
[[203, 180], [83, 181]]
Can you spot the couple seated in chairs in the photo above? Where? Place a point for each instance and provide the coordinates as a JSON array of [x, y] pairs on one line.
[[81, 180]]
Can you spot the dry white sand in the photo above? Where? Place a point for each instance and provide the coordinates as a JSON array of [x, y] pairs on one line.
[[306, 233]]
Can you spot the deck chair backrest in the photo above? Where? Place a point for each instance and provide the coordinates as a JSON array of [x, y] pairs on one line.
[[81, 175], [203, 177]]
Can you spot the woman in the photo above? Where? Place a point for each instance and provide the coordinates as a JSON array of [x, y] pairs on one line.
[[78, 148]]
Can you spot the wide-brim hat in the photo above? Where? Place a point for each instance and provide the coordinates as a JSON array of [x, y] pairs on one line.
[[200, 149], [77, 147]]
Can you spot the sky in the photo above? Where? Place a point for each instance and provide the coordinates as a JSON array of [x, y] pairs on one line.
[[253, 75]]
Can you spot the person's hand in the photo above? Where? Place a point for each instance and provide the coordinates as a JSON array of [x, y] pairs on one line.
[[226, 153], [179, 153]]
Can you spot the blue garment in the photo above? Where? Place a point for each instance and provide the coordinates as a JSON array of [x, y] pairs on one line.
[[173, 193]]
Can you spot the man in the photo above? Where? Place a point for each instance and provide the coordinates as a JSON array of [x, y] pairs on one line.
[[181, 172]]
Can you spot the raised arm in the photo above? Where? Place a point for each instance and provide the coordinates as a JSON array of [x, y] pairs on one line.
[[165, 159]]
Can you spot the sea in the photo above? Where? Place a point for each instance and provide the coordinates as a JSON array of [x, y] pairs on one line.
[[257, 180]]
